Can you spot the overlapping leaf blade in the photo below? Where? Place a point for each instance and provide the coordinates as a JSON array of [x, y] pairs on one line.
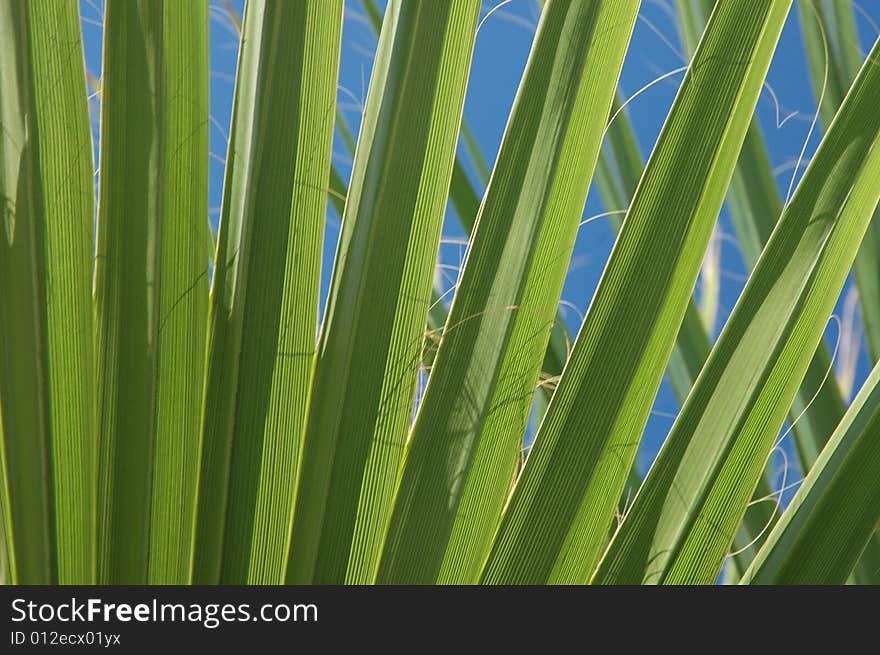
[[617, 176], [466, 203], [831, 518], [834, 58], [468, 432], [46, 250], [371, 341], [264, 298], [683, 520], [151, 287], [755, 205], [558, 517]]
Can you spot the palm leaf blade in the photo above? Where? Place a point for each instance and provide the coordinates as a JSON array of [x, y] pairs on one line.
[[46, 251], [151, 287], [731, 420], [373, 331], [823, 531], [558, 517], [264, 298], [468, 433]]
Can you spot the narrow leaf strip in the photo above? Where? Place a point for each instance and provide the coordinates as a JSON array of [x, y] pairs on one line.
[[468, 433], [371, 340], [466, 203], [684, 517], [46, 251], [559, 515], [617, 177], [264, 298], [831, 518], [151, 286], [338, 187], [834, 58], [755, 205]]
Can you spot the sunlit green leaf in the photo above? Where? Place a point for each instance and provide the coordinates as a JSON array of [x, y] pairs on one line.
[[685, 515], [372, 336], [46, 249], [264, 299], [557, 520], [828, 523]]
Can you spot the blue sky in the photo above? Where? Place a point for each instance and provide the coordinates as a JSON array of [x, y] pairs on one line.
[[500, 54]]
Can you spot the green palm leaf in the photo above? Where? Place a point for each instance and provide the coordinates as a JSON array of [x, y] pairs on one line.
[[468, 432], [558, 517], [371, 340], [46, 248], [264, 298], [466, 203], [150, 284], [683, 520], [834, 58], [830, 520], [755, 205], [176, 408]]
